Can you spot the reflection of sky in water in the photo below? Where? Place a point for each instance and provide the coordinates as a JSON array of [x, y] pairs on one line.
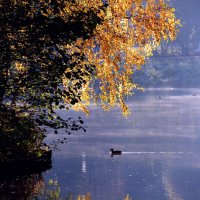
[[161, 145]]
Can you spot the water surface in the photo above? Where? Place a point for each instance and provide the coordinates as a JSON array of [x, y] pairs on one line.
[[160, 142]]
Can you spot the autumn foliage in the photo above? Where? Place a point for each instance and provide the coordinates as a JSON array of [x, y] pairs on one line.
[[75, 52], [129, 33], [62, 54]]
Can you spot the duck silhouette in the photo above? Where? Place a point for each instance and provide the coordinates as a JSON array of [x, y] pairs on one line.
[[115, 152]]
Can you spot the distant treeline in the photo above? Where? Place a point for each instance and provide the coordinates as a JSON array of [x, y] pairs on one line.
[[188, 40], [170, 72]]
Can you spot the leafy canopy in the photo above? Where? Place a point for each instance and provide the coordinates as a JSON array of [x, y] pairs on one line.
[[129, 33], [66, 53], [33, 59]]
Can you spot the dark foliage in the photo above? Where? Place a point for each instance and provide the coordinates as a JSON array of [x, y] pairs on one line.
[[30, 96]]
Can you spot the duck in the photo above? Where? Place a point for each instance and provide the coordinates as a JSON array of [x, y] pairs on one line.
[[115, 152]]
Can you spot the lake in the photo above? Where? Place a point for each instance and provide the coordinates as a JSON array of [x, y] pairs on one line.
[[160, 144]]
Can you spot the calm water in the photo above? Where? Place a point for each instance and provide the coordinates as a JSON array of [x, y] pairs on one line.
[[160, 142]]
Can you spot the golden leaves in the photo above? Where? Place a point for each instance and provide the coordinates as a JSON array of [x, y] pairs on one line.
[[130, 32], [20, 67]]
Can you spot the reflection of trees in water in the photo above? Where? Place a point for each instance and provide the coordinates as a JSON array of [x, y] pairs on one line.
[[22, 181], [52, 192], [32, 187], [21, 188]]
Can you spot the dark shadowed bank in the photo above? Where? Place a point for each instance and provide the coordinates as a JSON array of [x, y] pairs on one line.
[[33, 64]]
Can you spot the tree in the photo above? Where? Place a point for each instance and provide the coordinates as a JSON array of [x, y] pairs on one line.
[[129, 34], [60, 54], [33, 63], [188, 39], [32, 45]]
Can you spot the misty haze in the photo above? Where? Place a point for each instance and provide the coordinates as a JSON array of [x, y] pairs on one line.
[[155, 150]]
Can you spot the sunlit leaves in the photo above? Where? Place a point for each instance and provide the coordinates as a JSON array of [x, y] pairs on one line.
[[129, 34], [79, 51]]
